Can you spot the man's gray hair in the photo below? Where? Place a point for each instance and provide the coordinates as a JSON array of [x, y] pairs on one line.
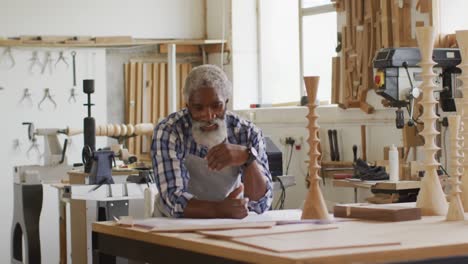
[[207, 75]]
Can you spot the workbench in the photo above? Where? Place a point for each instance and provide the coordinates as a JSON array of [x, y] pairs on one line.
[[429, 238]]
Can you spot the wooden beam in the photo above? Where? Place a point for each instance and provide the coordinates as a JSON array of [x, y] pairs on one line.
[[196, 49]]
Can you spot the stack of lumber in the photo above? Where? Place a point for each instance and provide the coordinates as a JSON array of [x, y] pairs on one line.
[[369, 26]]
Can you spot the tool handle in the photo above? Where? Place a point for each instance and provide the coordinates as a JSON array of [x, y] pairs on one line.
[[330, 142], [74, 68], [354, 153], [335, 143]]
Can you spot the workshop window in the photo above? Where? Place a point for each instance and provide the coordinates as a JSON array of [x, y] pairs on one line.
[[319, 41], [279, 63]]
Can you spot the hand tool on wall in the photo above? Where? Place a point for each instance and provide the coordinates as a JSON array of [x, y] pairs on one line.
[[26, 97], [47, 95], [34, 62], [72, 91], [363, 142], [335, 144], [62, 59], [332, 148], [9, 56], [47, 62], [354, 153]]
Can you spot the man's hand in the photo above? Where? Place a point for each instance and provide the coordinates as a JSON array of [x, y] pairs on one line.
[[224, 155], [232, 206]]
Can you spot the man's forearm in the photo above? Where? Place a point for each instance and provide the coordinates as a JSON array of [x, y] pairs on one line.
[[227, 208], [255, 183], [200, 209]]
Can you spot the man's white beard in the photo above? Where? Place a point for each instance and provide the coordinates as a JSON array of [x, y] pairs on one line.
[[209, 138]]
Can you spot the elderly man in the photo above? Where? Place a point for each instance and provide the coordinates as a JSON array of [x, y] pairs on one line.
[[208, 162]]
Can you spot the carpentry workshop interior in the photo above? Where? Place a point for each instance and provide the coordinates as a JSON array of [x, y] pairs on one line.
[[234, 131]]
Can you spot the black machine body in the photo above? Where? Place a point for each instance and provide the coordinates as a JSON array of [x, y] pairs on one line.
[[393, 82]]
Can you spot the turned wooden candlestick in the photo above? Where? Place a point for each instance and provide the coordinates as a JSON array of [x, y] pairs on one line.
[[314, 205], [462, 40], [455, 210], [431, 198]]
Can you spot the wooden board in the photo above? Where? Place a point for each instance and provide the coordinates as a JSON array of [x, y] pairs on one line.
[[113, 39], [155, 99], [192, 228], [138, 105], [314, 240], [335, 97], [281, 229], [132, 104], [390, 213]]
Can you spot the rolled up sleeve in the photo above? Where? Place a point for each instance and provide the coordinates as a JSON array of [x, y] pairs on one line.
[[170, 174], [264, 203]]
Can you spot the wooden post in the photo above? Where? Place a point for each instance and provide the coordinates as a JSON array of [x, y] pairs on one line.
[[314, 206], [431, 198], [455, 210], [462, 39]]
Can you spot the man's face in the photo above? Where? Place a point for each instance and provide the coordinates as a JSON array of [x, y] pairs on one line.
[[207, 109]]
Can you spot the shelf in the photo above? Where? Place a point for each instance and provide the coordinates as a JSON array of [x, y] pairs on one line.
[[134, 42]]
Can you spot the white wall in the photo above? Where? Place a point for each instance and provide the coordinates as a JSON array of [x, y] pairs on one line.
[[138, 18], [14, 81]]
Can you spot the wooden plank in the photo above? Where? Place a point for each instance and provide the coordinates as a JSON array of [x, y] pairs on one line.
[[335, 94], [196, 49], [155, 98], [395, 23], [139, 104], [80, 40], [378, 33], [425, 6], [216, 48], [385, 24], [46, 39], [63, 231], [132, 102], [279, 229], [113, 39], [406, 39], [181, 49], [389, 213], [178, 86], [181, 227], [126, 91], [323, 240], [147, 108], [163, 100], [186, 68], [78, 229]]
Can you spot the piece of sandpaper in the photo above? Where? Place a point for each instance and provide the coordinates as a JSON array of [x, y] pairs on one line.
[[281, 229]]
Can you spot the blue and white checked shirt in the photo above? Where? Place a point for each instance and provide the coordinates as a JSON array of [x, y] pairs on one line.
[[172, 141]]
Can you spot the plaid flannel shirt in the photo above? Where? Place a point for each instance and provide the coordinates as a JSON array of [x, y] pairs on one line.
[[172, 141]]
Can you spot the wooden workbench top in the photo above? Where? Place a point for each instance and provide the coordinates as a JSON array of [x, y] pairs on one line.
[[426, 238]]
